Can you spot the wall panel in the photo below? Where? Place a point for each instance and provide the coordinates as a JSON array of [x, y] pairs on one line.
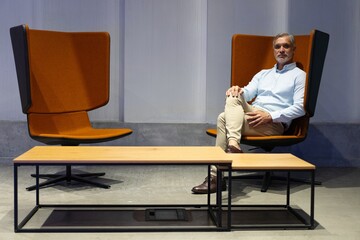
[[165, 43]]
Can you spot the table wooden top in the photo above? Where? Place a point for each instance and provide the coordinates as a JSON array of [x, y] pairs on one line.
[[161, 155], [123, 155], [269, 161]]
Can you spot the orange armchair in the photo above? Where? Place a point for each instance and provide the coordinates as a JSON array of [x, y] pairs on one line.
[[62, 76], [251, 53]]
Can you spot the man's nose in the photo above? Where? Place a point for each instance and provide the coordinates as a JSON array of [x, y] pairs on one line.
[[282, 49]]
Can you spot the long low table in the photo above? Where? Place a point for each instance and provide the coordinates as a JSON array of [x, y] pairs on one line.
[[216, 216], [152, 217]]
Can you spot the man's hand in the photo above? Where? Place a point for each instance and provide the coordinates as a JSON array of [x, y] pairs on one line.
[[234, 91], [257, 118]]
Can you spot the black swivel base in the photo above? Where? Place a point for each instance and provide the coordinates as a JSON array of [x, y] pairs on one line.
[[68, 177]]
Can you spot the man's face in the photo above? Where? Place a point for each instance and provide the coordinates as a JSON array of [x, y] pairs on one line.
[[283, 51]]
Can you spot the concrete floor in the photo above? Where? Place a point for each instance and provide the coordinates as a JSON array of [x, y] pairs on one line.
[[337, 204]]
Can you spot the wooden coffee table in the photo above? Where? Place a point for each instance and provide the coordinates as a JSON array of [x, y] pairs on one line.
[[162, 217], [217, 216]]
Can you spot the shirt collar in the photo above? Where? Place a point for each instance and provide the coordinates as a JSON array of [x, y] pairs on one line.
[[287, 67]]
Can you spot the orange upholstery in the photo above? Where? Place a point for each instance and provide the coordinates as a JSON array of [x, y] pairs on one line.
[[73, 126], [68, 71], [250, 54], [67, 75]]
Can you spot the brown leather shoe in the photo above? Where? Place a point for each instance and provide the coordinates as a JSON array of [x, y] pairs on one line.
[[232, 149], [203, 188]]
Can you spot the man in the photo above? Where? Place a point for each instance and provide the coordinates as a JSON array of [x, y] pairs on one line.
[[279, 93]]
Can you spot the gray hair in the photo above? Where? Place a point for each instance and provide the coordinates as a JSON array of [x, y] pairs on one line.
[[292, 39]]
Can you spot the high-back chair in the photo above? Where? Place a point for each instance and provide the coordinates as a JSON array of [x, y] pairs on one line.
[[62, 76], [251, 53]]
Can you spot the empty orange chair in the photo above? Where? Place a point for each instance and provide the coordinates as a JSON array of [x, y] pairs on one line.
[[62, 76]]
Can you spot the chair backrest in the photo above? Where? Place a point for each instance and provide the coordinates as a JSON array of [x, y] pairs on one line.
[[20, 49], [320, 42], [61, 72]]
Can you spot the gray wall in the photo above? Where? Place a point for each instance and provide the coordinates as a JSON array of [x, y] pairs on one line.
[[171, 58], [170, 64]]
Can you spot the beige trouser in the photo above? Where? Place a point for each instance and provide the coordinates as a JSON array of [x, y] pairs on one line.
[[232, 123]]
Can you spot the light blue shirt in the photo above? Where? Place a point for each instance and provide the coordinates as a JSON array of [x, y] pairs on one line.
[[279, 92]]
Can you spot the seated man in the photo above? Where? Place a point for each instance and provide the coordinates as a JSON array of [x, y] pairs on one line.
[[279, 93]]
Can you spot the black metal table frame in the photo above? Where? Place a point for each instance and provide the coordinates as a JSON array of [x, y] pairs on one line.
[[215, 210], [306, 223]]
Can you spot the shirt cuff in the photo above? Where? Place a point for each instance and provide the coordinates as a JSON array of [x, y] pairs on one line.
[[275, 116]]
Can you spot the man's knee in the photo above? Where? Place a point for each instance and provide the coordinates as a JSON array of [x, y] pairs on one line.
[[221, 119], [234, 101]]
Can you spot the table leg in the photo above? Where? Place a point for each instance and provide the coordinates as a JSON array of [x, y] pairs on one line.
[[229, 198], [288, 190], [16, 198], [312, 201], [37, 186], [218, 196]]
